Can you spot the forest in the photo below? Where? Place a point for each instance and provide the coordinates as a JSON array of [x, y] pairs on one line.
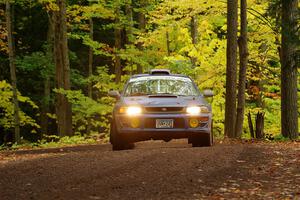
[[59, 59]]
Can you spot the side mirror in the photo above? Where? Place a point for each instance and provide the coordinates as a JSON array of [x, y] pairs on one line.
[[208, 93], [114, 94]]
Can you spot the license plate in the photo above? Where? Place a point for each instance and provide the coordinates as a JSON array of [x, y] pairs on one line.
[[164, 123]]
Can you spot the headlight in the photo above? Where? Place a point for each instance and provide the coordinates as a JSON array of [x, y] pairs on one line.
[[195, 110], [132, 110]]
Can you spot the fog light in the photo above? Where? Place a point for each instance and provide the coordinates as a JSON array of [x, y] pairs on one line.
[[135, 123], [194, 123]]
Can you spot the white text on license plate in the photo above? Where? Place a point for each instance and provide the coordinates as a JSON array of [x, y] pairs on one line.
[[164, 123]]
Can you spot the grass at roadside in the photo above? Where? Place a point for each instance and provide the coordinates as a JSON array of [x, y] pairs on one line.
[[54, 142]]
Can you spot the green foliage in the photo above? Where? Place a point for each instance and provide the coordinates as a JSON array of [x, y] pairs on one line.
[[7, 108], [280, 138], [66, 141], [86, 111], [104, 82], [89, 113], [272, 116], [37, 62], [56, 142]]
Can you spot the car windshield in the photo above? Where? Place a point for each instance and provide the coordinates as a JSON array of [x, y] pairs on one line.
[[161, 85]]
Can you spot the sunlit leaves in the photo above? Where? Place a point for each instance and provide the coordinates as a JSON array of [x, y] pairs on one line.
[[7, 108]]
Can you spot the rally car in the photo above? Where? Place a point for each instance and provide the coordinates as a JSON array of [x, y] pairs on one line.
[[160, 106]]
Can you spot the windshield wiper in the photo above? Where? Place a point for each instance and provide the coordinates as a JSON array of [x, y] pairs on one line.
[[163, 95], [182, 95], [138, 94]]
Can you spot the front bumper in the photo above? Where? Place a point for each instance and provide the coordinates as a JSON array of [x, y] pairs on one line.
[[147, 130]]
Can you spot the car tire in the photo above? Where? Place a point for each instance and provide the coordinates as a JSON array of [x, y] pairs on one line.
[[202, 140], [117, 141]]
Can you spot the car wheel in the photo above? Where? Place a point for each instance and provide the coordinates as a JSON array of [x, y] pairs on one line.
[[117, 141]]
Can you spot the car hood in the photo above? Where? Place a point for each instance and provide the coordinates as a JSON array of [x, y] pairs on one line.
[[179, 101]]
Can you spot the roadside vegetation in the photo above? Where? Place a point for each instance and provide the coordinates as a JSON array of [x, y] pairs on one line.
[[56, 142]]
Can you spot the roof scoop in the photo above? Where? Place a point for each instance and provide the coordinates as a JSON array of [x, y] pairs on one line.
[[160, 72]]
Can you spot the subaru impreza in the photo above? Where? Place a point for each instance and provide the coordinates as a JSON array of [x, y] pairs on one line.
[[160, 106]]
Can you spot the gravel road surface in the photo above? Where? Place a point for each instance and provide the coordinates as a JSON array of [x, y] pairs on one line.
[[154, 170]]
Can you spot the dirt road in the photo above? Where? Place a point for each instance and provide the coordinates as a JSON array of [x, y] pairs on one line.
[[153, 170]]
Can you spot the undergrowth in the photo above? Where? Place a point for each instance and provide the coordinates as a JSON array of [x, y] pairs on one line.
[[54, 141]]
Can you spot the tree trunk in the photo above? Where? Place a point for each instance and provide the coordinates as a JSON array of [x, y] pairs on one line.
[[129, 28], [194, 35], [250, 125], [47, 83], [168, 43], [194, 29], [91, 59], [12, 65], [289, 64], [61, 58], [129, 17], [118, 46], [243, 47], [45, 106], [142, 27], [230, 102], [259, 125], [90, 68]]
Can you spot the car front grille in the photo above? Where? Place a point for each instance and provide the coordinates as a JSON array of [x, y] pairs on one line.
[[164, 109]]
